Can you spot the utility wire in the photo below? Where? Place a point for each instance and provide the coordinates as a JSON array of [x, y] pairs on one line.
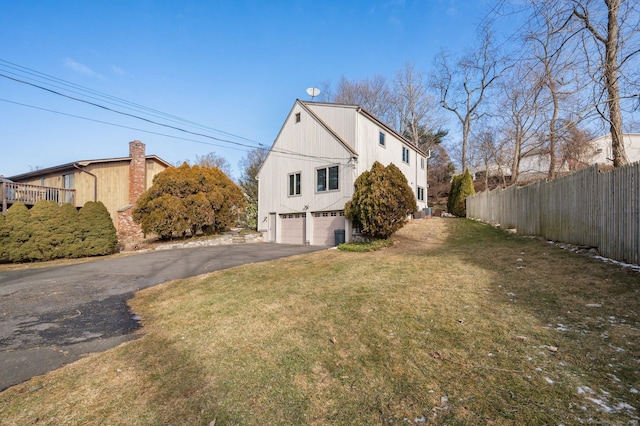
[[241, 147], [117, 101]]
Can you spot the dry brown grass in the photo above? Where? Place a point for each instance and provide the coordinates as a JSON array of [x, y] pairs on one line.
[[458, 323]]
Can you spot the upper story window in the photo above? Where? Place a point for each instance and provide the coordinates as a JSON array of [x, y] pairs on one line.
[[297, 117], [294, 184], [405, 154], [68, 181], [382, 142], [422, 163], [327, 179]]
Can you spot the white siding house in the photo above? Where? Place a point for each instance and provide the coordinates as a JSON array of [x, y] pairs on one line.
[[309, 173], [604, 153]]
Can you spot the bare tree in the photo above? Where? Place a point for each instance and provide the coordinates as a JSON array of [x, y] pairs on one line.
[[248, 182], [576, 148], [462, 87], [372, 94], [613, 26], [549, 40], [417, 110], [214, 160]]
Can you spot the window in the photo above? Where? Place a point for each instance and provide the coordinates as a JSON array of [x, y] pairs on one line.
[[327, 179], [422, 163], [297, 117], [294, 184], [382, 139], [68, 181], [405, 155], [420, 194]]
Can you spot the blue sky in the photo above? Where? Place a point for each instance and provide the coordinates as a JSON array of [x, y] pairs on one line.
[[231, 66]]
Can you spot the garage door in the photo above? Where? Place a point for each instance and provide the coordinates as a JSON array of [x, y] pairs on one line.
[[324, 223], [293, 226]]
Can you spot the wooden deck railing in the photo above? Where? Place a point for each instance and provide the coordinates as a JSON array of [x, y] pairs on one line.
[[12, 192]]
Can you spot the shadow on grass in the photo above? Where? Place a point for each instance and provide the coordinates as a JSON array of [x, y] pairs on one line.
[[566, 325]]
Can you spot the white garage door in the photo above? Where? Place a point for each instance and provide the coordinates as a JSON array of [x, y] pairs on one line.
[[293, 226], [324, 223]]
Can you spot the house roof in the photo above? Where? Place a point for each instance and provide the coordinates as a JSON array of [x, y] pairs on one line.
[[371, 117], [82, 163], [327, 128]]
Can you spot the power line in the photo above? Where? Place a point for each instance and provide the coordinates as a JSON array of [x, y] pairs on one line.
[[117, 101], [242, 147]]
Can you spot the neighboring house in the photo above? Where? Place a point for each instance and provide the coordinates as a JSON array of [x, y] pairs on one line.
[[116, 182], [535, 164], [603, 153], [309, 173]]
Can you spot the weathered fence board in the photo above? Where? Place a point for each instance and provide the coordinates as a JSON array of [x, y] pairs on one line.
[[590, 208]]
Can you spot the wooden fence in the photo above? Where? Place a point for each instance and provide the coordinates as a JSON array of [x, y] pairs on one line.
[[588, 208]]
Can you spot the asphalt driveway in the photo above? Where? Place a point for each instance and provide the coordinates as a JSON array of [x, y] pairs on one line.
[[52, 316]]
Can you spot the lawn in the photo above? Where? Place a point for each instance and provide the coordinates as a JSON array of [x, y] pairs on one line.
[[457, 323]]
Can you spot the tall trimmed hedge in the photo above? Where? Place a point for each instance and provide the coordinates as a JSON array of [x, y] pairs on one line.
[[461, 188], [382, 201], [49, 231]]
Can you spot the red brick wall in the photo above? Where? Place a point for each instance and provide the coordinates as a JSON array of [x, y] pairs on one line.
[[137, 171], [128, 231]]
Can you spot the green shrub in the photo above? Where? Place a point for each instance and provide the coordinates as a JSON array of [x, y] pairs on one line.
[[18, 227], [4, 234], [382, 201], [365, 247], [47, 237], [195, 199], [97, 235], [461, 188]]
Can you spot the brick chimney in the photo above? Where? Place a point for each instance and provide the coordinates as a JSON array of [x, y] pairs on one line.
[[137, 171]]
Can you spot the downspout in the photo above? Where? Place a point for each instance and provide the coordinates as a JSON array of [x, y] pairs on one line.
[[95, 181], [426, 178]]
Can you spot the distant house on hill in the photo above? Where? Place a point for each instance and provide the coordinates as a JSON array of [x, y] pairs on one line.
[[535, 164], [604, 155], [116, 182], [309, 173]]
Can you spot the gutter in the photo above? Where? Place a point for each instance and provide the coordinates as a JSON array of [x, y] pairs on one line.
[[95, 181]]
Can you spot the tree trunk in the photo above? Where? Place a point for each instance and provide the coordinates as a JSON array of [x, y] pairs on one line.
[[611, 82]]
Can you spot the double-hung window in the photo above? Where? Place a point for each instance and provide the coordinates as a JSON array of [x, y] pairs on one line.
[[327, 179], [420, 193], [382, 142], [405, 155], [294, 184]]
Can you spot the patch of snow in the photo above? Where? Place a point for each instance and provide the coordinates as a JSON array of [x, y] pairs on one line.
[[584, 390], [594, 305], [634, 391], [490, 354], [615, 262], [562, 327], [549, 380]]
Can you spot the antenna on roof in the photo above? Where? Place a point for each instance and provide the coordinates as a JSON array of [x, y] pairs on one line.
[[313, 92]]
